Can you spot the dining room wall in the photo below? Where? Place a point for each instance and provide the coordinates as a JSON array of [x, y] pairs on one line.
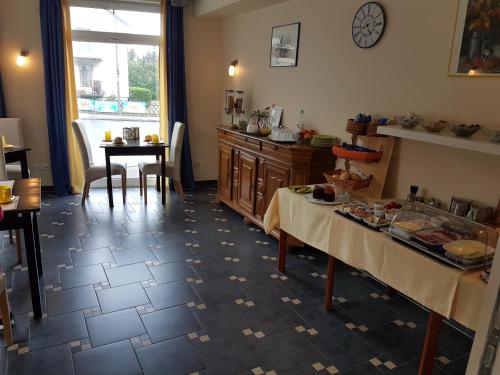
[[406, 71], [25, 96]]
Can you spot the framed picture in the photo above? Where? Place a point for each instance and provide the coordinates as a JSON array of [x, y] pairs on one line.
[[285, 45], [476, 43], [275, 116]]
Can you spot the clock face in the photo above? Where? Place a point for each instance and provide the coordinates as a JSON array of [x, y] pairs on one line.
[[368, 25]]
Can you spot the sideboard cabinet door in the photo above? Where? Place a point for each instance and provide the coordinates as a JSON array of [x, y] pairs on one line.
[[225, 170], [247, 170], [271, 177]]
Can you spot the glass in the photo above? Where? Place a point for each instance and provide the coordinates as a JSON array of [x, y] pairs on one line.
[[116, 21], [107, 135]]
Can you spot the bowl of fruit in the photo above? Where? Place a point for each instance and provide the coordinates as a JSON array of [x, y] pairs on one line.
[[465, 131], [305, 135]]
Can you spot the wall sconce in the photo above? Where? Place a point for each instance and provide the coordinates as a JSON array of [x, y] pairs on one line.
[[232, 68], [21, 59]]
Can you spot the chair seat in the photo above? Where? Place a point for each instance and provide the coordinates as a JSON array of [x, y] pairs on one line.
[[155, 168], [97, 172], [14, 171]]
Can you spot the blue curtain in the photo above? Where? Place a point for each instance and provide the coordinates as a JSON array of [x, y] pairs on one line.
[[176, 75], [3, 110], [51, 23]]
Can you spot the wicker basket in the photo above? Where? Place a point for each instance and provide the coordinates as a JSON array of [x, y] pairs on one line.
[[347, 184], [371, 130], [356, 128]]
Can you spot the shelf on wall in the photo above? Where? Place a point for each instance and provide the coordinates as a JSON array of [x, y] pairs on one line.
[[478, 142]]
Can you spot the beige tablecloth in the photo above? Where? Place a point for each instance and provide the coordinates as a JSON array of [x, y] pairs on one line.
[[443, 289]]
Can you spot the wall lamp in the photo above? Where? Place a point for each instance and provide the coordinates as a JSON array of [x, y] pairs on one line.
[[232, 68], [22, 58]]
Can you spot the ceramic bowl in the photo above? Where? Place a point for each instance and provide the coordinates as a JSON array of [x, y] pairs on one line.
[[408, 121], [434, 127], [493, 135], [462, 130]]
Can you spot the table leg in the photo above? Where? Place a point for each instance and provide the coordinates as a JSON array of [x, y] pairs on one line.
[[430, 343], [36, 239], [32, 265], [163, 175], [329, 283], [24, 165], [157, 177], [108, 178], [282, 250]]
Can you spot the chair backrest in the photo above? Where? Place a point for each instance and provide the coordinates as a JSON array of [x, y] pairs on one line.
[[176, 148], [12, 130], [3, 171], [83, 143]]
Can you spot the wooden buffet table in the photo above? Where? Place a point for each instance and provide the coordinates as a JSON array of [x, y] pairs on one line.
[[252, 167], [445, 291]]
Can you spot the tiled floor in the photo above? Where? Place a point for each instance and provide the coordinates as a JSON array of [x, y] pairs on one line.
[[191, 289]]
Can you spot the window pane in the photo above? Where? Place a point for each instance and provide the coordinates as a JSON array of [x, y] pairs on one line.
[[118, 21]]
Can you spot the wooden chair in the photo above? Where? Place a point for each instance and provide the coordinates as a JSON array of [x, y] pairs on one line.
[[5, 311], [95, 172], [173, 166], [12, 130]]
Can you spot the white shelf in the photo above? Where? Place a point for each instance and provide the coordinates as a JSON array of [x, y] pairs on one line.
[[478, 142]]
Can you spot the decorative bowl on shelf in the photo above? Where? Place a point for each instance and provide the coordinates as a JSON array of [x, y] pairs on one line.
[[434, 127], [465, 131], [493, 135], [408, 121]]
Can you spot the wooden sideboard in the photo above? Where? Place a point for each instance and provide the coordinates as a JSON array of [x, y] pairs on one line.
[[251, 168]]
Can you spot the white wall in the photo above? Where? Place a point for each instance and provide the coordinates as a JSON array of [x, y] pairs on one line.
[[406, 71]]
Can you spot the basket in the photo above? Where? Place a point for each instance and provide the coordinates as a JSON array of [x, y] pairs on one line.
[[371, 130], [356, 128], [347, 184]]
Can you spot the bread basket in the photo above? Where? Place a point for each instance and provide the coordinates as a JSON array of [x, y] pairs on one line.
[[349, 185]]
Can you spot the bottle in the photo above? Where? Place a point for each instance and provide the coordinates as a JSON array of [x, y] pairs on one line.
[[412, 197], [301, 123]]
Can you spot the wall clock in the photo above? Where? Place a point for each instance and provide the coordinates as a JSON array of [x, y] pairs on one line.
[[368, 25]]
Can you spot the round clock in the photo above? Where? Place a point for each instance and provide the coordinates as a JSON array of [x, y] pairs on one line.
[[368, 25]]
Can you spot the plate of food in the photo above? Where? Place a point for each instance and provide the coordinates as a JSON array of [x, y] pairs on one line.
[[300, 189], [310, 198], [436, 237], [376, 221], [360, 214]]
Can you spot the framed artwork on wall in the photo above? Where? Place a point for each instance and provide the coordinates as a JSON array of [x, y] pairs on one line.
[[285, 45], [476, 42], [275, 116]]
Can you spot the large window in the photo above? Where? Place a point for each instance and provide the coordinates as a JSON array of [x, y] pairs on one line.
[[116, 69]]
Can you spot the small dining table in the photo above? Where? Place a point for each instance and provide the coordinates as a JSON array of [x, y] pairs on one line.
[[18, 154], [132, 148], [24, 216]]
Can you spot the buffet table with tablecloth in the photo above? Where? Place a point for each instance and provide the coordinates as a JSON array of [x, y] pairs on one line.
[[446, 290]]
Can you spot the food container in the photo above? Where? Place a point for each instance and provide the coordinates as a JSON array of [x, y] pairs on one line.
[[408, 121], [443, 236], [434, 127], [465, 131]]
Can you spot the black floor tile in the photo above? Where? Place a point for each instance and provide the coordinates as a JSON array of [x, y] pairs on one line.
[[171, 294], [169, 323], [370, 312], [90, 257], [133, 255], [166, 254], [222, 319], [218, 291], [177, 355], [364, 369], [110, 228], [128, 274], [117, 358], [96, 242], [52, 361], [115, 326], [56, 330], [122, 297], [140, 227], [68, 300], [168, 272], [71, 278], [314, 315]]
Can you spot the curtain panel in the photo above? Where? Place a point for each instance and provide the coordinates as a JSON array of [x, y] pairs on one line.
[[176, 81], [51, 23]]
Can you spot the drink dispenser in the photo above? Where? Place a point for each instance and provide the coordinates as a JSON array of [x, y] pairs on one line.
[[238, 107], [229, 101]]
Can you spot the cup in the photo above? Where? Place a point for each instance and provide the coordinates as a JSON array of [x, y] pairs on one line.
[[107, 135], [5, 194]]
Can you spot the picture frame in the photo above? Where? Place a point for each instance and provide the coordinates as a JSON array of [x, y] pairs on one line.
[[275, 116], [284, 45], [475, 50]]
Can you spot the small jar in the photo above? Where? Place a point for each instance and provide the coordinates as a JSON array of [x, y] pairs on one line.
[[328, 194], [318, 192]]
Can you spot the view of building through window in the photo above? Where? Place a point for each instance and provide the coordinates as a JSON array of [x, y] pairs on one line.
[[116, 73]]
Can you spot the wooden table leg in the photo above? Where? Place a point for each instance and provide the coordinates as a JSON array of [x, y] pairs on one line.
[[430, 343], [24, 165], [163, 176], [157, 177], [5, 314], [19, 248], [109, 184], [329, 283], [32, 265], [282, 250], [36, 239]]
